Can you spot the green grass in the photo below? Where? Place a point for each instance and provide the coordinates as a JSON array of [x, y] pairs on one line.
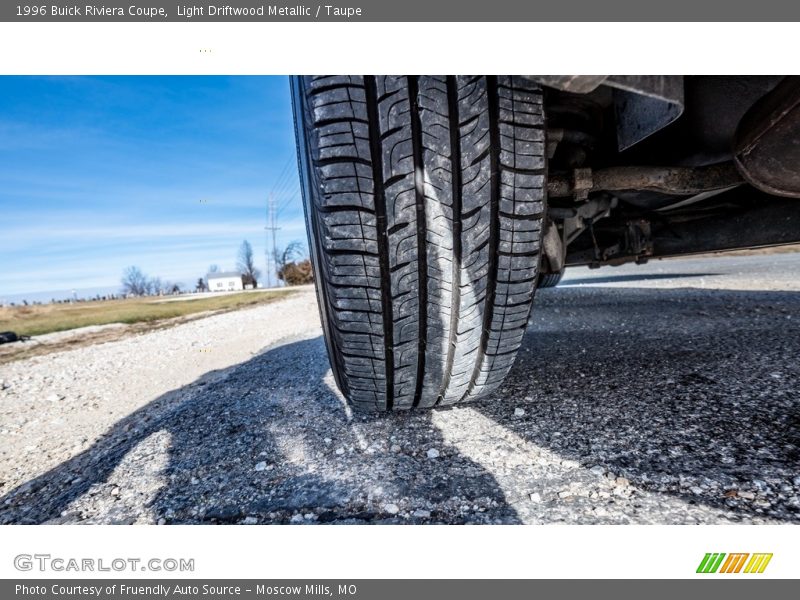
[[38, 320]]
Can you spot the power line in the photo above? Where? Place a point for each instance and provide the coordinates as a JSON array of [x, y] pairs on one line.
[[285, 169], [268, 270], [288, 188], [285, 185], [281, 181], [283, 177], [272, 227], [290, 199]]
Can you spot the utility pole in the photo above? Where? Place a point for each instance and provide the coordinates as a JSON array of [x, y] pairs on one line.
[[268, 272], [273, 228]]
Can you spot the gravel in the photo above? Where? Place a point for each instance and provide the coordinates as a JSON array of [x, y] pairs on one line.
[[655, 394]]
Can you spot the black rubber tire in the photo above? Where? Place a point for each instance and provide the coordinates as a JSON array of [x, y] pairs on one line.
[[424, 199], [550, 280]]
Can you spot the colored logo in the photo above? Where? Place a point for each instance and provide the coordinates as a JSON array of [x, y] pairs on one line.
[[719, 562]]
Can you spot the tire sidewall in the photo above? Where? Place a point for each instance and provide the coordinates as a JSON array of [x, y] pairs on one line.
[[306, 187]]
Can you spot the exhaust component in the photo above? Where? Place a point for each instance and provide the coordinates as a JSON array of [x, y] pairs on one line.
[[767, 147], [676, 181]]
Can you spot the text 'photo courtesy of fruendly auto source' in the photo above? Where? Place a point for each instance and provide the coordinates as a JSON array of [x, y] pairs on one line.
[[487, 299]]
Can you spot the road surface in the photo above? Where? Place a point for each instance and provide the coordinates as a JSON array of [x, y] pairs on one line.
[[663, 393]]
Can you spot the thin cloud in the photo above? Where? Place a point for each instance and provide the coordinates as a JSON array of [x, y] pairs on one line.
[[168, 173]]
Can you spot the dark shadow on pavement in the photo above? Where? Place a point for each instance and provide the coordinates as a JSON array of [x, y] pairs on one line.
[[685, 392], [270, 441]]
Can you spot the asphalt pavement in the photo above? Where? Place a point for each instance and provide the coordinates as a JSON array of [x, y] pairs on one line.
[[660, 393]]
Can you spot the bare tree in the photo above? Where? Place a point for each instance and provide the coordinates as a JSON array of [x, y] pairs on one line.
[[134, 282], [155, 286], [291, 253], [163, 288], [213, 268], [246, 265], [291, 269]]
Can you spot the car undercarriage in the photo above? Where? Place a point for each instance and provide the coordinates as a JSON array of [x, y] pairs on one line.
[[656, 166], [437, 205]]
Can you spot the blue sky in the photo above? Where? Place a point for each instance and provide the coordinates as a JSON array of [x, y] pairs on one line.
[[166, 173]]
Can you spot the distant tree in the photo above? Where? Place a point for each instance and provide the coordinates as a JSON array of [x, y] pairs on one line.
[[134, 282], [246, 265], [175, 289], [155, 286], [201, 285], [292, 268], [297, 273], [291, 253], [213, 268]]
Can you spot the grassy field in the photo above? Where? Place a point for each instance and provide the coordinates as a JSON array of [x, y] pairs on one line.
[[37, 320]]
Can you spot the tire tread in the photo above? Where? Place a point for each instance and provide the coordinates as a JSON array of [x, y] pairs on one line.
[[425, 196]]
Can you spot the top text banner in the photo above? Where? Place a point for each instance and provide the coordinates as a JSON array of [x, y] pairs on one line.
[[406, 11]]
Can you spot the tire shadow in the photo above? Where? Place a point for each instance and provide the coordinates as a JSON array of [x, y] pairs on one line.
[[687, 393], [268, 441]]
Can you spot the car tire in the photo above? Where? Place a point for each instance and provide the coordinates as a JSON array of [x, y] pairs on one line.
[[550, 280], [424, 199]]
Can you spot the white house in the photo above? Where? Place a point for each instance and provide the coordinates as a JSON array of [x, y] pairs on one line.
[[224, 282]]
